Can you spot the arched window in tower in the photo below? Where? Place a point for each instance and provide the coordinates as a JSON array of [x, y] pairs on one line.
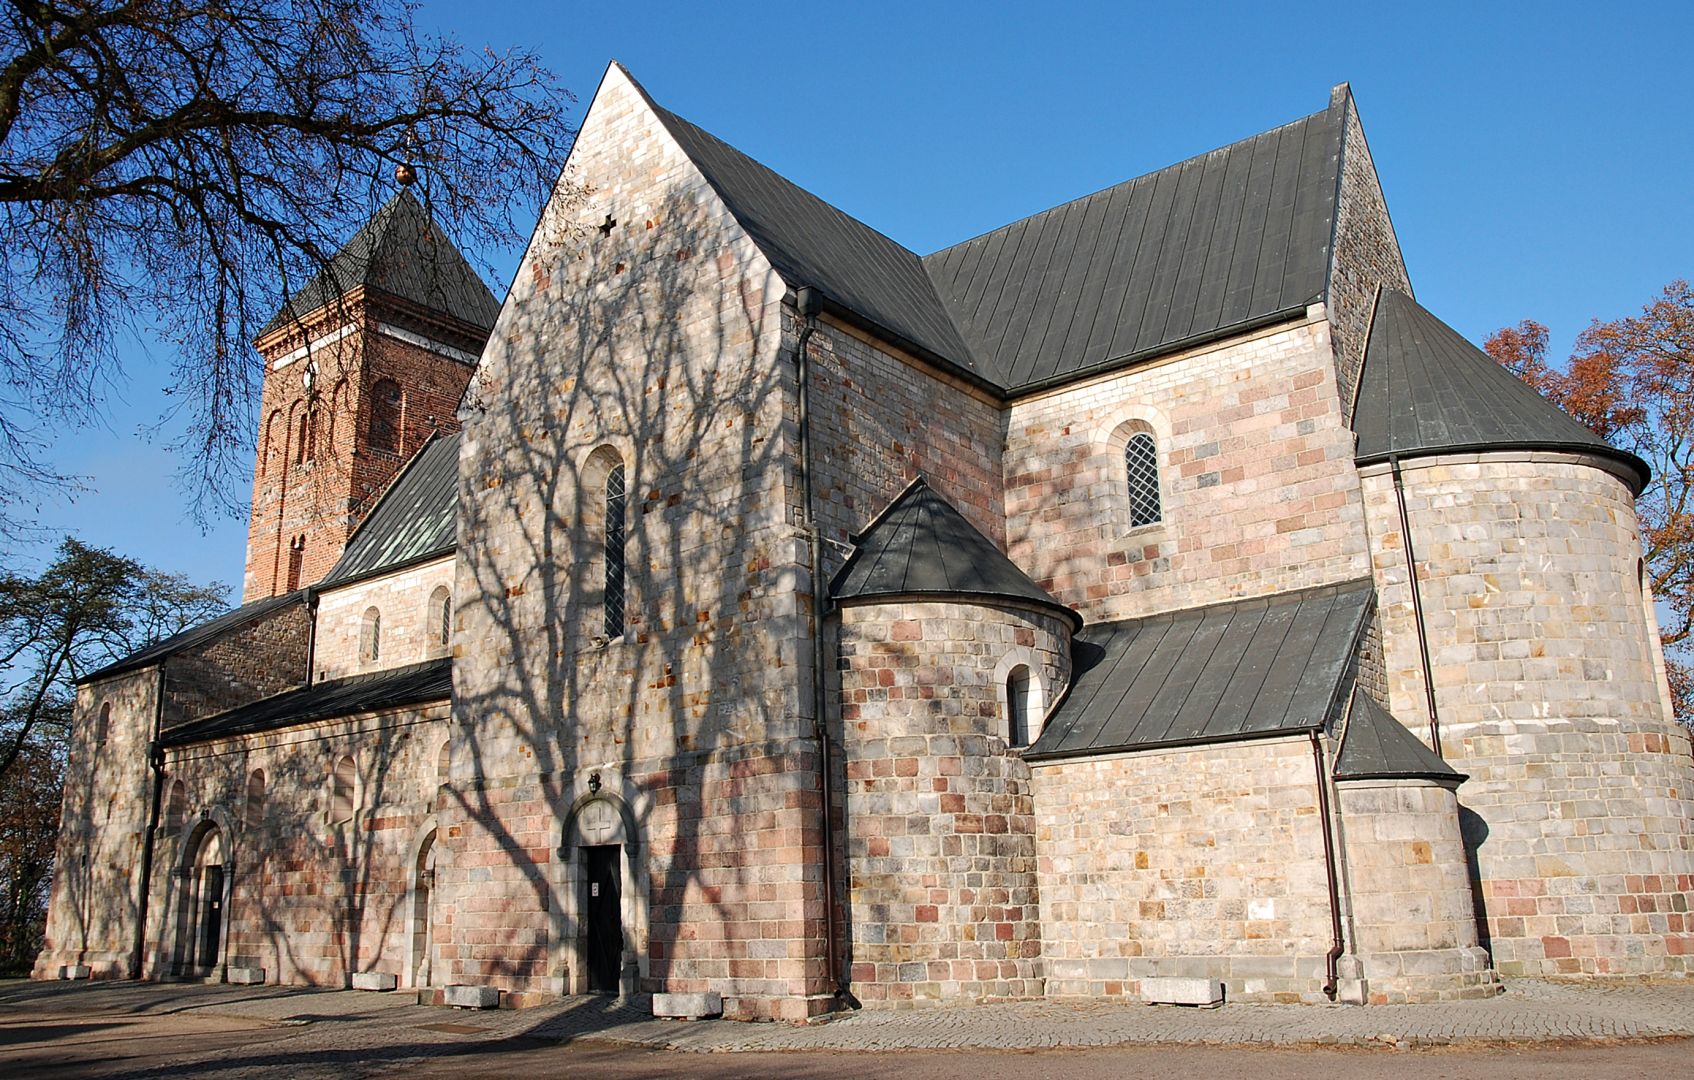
[[103, 725], [296, 562], [616, 498], [1019, 682], [387, 404], [370, 636], [341, 791], [268, 446], [302, 434], [255, 809], [1141, 462], [438, 617]]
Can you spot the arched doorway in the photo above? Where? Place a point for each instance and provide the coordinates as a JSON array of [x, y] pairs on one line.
[[203, 892], [423, 915], [601, 929]]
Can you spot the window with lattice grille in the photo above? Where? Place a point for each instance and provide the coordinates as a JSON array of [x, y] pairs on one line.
[[615, 499], [1141, 457]]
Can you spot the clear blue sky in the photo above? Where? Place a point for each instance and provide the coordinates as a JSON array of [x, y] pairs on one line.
[[1537, 158]]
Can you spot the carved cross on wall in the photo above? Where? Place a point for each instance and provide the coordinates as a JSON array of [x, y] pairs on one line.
[[607, 226]]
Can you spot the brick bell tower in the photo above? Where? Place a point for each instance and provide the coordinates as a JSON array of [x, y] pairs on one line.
[[361, 367]]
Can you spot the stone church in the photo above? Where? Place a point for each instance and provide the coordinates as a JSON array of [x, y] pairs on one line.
[[1148, 590]]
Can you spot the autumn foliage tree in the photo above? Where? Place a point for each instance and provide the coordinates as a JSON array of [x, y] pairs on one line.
[[1631, 381], [171, 169]]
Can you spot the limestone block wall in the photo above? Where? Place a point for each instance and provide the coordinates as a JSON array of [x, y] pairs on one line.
[[92, 910], [1258, 487], [652, 343], [1580, 807], [410, 624], [1199, 861], [262, 657], [880, 418], [940, 840], [312, 896], [1413, 924]]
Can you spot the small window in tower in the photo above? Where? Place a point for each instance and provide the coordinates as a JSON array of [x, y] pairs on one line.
[[615, 501], [1017, 706], [342, 783], [296, 562], [1141, 460], [387, 403], [255, 815], [302, 441], [439, 616], [370, 636], [103, 725]]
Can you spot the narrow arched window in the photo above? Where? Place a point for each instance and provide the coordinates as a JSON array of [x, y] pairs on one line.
[[103, 724], [387, 403], [1141, 461], [370, 636], [1017, 706], [341, 787], [302, 451], [615, 501], [438, 617], [255, 810], [269, 445], [176, 807], [444, 761]]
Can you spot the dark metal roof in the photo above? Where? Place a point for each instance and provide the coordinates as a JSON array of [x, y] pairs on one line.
[[1426, 390], [1246, 669], [196, 635], [1219, 241], [412, 685], [402, 252], [810, 242], [415, 519], [921, 546], [1378, 747]]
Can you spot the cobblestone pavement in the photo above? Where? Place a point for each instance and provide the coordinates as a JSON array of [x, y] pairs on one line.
[[321, 1032]]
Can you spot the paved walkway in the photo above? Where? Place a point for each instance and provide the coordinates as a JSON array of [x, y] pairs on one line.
[[1529, 1012]]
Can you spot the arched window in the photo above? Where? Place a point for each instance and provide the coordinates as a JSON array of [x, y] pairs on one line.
[[341, 787], [1141, 462], [302, 441], [1019, 682], [103, 724], [296, 561], [269, 445], [387, 402], [176, 807], [438, 617], [370, 636], [255, 811], [444, 761], [616, 499]]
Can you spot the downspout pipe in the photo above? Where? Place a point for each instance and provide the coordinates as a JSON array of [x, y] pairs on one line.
[[1417, 605], [156, 761], [1337, 946], [808, 303]]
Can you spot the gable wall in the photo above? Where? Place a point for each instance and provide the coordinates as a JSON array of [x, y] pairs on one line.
[[657, 343], [260, 658], [1367, 255], [1256, 465]]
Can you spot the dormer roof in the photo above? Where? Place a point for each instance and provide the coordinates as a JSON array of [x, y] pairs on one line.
[[921, 547], [1426, 390], [1378, 747], [400, 252]]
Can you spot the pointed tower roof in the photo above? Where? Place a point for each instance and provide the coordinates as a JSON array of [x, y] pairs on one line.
[[403, 253], [1426, 390], [1378, 747], [921, 546]]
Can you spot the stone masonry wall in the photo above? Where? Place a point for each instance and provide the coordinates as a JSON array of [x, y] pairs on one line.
[[264, 656], [880, 420], [410, 624], [940, 837], [653, 342], [1580, 806], [1199, 862], [313, 898], [1367, 255], [1258, 487], [92, 910], [1414, 929]]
